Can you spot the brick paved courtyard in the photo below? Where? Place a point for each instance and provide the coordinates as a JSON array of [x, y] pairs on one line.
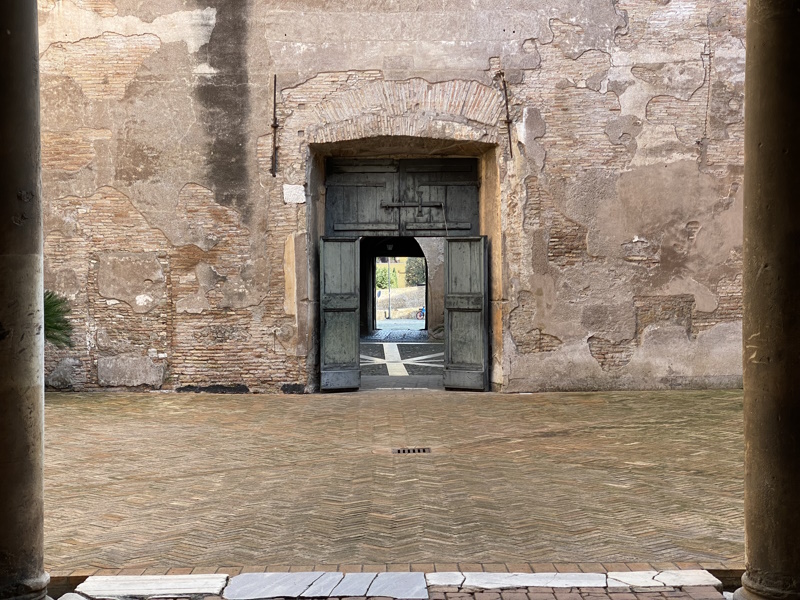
[[183, 480]]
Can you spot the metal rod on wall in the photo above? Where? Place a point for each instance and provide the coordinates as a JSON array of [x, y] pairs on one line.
[[508, 114], [274, 167]]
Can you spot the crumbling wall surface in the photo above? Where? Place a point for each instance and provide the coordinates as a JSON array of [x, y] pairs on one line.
[[189, 265], [158, 229], [627, 236]]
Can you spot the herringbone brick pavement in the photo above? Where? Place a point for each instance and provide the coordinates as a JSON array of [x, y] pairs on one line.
[[183, 480]]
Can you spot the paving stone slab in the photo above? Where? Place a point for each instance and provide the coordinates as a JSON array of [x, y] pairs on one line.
[[255, 586], [144, 586], [633, 579], [354, 584], [584, 580], [445, 578], [507, 580], [409, 586], [323, 586], [688, 577]]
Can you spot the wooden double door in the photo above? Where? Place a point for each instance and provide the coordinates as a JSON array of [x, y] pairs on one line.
[[381, 198], [466, 314]]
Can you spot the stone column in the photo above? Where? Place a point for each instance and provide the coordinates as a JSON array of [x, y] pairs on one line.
[[22, 573], [772, 301]]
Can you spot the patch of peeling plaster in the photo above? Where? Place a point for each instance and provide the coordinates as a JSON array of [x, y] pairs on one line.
[[67, 23], [85, 61], [328, 39], [675, 70]]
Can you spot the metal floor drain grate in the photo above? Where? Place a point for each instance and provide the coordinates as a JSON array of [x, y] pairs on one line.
[[411, 450]]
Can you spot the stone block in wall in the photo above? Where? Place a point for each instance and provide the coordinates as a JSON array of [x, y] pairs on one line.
[[126, 370], [63, 375]]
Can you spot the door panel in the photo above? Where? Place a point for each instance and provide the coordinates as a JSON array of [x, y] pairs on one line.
[[359, 197], [463, 348], [466, 314], [339, 313], [339, 329], [432, 197], [440, 197]]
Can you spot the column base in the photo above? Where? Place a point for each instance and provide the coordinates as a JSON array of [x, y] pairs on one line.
[[28, 589], [751, 590]]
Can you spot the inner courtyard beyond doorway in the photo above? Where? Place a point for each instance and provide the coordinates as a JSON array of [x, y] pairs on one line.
[[398, 349]]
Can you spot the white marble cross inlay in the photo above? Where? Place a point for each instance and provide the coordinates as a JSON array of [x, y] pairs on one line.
[[395, 364]]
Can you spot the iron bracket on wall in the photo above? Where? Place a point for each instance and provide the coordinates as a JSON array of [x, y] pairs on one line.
[[502, 76], [274, 167]]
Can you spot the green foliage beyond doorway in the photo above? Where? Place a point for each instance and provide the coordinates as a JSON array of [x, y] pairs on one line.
[[415, 271], [382, 278]]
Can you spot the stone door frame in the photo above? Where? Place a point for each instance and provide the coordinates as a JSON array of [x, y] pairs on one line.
[[400, 147]]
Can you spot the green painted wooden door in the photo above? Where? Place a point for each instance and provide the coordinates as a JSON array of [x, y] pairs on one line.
[[409, 197], [466, 313], [339, 305]]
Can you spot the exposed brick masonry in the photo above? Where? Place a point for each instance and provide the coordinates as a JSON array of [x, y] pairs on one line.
[[102, 66]]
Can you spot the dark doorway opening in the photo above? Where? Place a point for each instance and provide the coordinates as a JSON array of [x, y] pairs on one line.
[[392, 288], [396, 349]]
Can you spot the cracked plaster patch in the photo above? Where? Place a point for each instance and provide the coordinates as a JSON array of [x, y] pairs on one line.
[[430, 36], [134, 278], [67, 23], [705, 299], [623, 131], [105, 8], [530, 129], [205, 69], [207, 278], [680, 79]]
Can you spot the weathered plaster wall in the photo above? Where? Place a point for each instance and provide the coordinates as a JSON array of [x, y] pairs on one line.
[[616, 244]]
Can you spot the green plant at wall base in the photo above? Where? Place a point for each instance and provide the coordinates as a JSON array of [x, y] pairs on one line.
[[381, 278], [57, 328]]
